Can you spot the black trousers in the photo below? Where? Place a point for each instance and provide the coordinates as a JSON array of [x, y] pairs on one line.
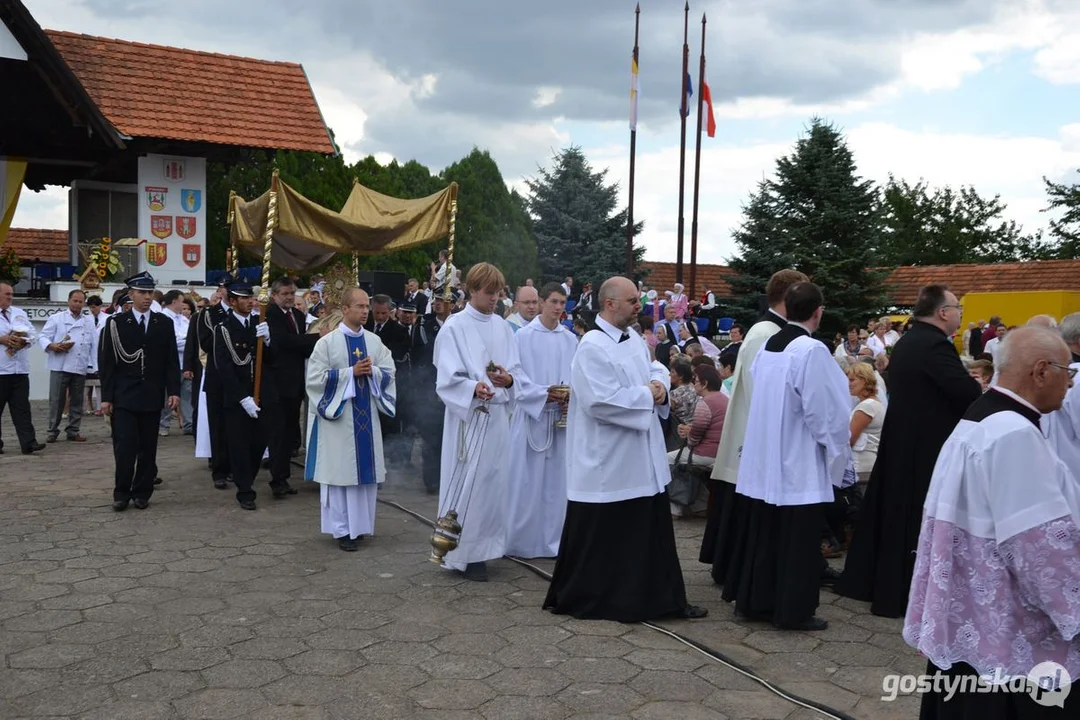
[[220, 467], [430, 426], [15, 394], [135, 441], [195, 385], [283, 425], [247, 442]]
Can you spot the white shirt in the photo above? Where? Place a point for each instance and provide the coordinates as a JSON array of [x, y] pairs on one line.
[[616, 449], [993, 345], [20, 363], [876, 344], [180, 327], [139, 318], [891, 336], [80, 329]]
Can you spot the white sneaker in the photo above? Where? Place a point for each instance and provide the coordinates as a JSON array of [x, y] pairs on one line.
[[164, 432]]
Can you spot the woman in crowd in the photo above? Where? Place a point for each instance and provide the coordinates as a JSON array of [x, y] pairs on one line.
[[727, 372], [866, 419], [702, 432], [683, 398], [851, 347], [665, 346], [983, 371]]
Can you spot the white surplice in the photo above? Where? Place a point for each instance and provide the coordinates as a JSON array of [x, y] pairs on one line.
[[726, 467], [996, 575], [797, 444], [475, 465], [536, 500], [616, 450], [349, 481]]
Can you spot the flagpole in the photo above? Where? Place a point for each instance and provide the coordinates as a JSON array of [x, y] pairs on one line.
[[697, 165], [683, 111], [633, 150]]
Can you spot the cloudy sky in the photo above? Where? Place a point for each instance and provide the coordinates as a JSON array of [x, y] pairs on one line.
[[980, 92]]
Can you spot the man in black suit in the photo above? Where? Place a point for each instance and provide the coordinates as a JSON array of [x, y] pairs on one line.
[[396, 339], [139, 367], [235, 339], [293, 347], [414, 297], [426, 408]]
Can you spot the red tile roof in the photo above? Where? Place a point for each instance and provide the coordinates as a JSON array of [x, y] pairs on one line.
[[662, 277], [152, 91], [904, 282], [33, 245]]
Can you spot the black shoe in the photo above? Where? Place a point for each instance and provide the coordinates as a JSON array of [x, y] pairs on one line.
[[694, 612], [33, 448], [290, 490], [158, 481], [119, 505], [829, 576], [247, 504], [220, 484], [814, 623], [52, 438], [295, 453], [140, 503], [348, 544], [278, 494], [477, 572]]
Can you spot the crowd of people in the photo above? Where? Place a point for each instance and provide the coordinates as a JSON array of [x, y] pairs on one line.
[[579, 425]]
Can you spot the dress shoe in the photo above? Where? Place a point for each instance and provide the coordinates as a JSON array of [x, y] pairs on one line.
[[477, 572], [348, 544], [52, 438], [290, 490], [76, 438], [247, 504], [1, 451], [829, 576], [694, 612], [753, 616], [278, 494], [140, 503], [33, 448], [119, 505], [219, 483], [158, 481], [814, 623]]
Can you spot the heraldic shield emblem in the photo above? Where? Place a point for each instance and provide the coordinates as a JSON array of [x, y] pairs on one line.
[[161, 226], [157, 253], [174, 170], [192, 254], [185, 227], [191, 200], [155, 198]]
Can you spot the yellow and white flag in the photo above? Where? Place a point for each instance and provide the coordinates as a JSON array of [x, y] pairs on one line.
[[635, 90], [12, 172]]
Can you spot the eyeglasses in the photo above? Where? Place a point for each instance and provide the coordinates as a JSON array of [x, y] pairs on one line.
[[1070, 371], [957, 306]]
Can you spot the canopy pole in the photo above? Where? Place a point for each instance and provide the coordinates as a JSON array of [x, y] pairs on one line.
[[264, 287], [450, 251], [231, 259], [356, 269]]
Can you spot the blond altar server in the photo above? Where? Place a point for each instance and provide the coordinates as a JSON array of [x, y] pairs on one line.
[[728, 515], [476, 362], [537, 495], [350, 380]]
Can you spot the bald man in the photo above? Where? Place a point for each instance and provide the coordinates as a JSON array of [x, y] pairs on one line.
[[998, 546], [526, 307], [617, 556], [1046, 321]]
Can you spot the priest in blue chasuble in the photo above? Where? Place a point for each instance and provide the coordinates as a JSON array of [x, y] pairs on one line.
[[350, 380]]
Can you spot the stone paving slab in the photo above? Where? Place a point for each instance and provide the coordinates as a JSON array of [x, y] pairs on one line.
[[195, 608]]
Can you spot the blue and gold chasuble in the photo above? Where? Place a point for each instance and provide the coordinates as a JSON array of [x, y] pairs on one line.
[[335, 400]]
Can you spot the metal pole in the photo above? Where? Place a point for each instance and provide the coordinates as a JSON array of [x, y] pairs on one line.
[[633, 150], [697, 166], [684, 111]]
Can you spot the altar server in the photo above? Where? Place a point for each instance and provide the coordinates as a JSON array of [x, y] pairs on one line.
[[796, 450], [994, 592], [476, 361], [617, 556], [1062, 427], [350, 381], [727, 515], [537, 493]]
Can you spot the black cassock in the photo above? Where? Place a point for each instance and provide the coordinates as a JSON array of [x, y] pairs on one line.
[[929, 392]]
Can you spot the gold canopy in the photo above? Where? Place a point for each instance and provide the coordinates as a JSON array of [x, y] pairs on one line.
[[307, 235]]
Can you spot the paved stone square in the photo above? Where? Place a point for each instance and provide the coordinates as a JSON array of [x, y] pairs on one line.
[[195, 608]]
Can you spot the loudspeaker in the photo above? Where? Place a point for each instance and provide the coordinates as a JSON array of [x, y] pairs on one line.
[[380, 282]]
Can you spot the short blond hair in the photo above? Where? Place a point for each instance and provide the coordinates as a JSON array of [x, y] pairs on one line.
[[864, 372], [484, 276]]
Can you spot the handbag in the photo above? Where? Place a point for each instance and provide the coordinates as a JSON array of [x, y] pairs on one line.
[[685, 484]]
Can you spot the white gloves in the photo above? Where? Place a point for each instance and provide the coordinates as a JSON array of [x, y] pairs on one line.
[[250, 407], [262, 330]]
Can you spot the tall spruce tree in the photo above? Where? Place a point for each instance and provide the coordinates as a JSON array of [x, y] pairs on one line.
[[818, 216], [579, 230], [1065, 230]]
